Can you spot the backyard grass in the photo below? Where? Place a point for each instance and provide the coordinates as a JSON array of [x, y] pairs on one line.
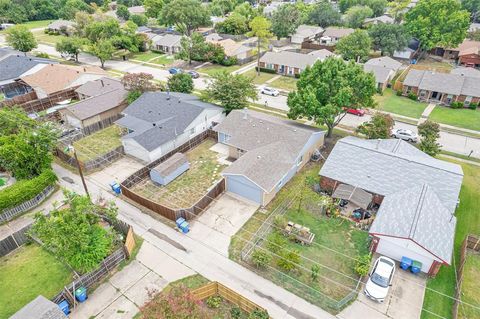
[[26, 273], [465, 118], [470, 287], [215, 68], [259, 79], [98, 143], [189, 187], [390, 102], [336, 277], [286, 83], [468, 221]]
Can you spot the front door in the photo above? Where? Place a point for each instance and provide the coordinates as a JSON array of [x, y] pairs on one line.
[[435, 95]]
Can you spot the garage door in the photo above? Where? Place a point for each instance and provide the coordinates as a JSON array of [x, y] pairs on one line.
[[241, 186], [394, 251]]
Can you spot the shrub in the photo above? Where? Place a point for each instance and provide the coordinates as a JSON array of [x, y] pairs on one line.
[[258, 314], [289, 260], [275, 242], [412, 96], [26, 189], [399, 93], [362, 265], [236, 313], [180, 82], [280, 221], [42, 55], [473, 106], [214, 302], [261, 258], [315, 270], [229, 61], [271, 71], [456, 105]]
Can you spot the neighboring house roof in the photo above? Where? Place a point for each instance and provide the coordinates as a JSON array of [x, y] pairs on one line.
[[56, 77], [448, 83], [468, 47], [406, 53], [98, 104], [335, 32], [168, 40], [385, 62], [158, 117], [307, 31], [474, 27], [288, 58], [216, 20], [61, 24], [171, 164], [272, 145], [381, 74], [137, 10], [272, 7], [40, 308], [13, 67], [213, 37], [388, 166], [99, 86], [322, 54], [6, 52], [381, 19], [231, 47], [143, 29], [469, 72], [418, 214]]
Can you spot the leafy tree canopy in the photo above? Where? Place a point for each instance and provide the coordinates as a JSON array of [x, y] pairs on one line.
[[355, 16], [324, 15], [388, 38], [380, 126], [285, 20], [180, 82], [153, 7], [21, 39], [233, 24], [185, 14], [430, 133], [355, 46], [70, 45]]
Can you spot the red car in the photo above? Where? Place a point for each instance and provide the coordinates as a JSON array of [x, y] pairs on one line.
[[357, 112]]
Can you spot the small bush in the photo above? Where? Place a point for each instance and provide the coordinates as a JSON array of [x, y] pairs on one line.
[[362, 265], [259, 314], [289, 260], [315, 270], [214, 302], [297, 75], [236, 313], [229, 61], [412, 96], [473, 106], [261, 258], [456, 105], [399, 93], [275, 242], [271, 71], [42, 55], [280, 221]]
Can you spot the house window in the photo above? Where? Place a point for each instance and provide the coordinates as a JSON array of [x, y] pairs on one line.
[[270, 66], [290, 71], [423, 93], [468, 100], [192, 131]]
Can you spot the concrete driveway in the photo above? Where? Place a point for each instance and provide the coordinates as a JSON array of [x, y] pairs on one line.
[[221, 221], [117, 171], [405, 300]]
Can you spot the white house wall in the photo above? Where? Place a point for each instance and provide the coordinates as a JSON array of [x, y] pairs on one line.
[[134, 149], [396, 248]]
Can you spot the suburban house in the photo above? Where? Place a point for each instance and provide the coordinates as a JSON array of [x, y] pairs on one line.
[[40, 308], [158, 122], [13, 67], [474, 27], [168, 43], [267, 151], [168, 170], [378, 20], [271, 7], [409, 52], [234, 49], [101, 103], [384, 69], [61, 26], [54, 78], [443, 88], [136, 10], [467, 53], [333, 34], [292, 63], [306, 33], [417, 194]]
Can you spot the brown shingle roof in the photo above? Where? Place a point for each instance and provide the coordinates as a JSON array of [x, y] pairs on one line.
[[98, 104]]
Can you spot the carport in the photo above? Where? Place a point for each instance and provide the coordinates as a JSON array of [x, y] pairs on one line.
[[353, 194]]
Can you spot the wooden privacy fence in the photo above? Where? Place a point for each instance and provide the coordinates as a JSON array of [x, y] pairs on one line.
[[14, 241], [10, 213], [32, 104], [100, 125], [470, 242], [173, 214], [216, 288], [92, 164]]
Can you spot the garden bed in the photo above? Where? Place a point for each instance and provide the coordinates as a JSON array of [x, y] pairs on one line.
[[337, 242], [27, 273], [189, 187]]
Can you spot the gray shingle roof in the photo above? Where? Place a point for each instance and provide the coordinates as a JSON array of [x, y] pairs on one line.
[[388, 166], [307, 31], [171, 164], [13, 66], [158, 117], [385, 62], [382, 74], [417, 213], [337, 32], [99, 86], [98, 104], [39, 308], [168, 40], [272, 145], [59, 24], [287, 58]]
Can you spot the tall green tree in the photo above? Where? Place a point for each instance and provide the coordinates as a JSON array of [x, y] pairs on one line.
[[260, 28], [355, 46], [233, 24], [355, 16], [185, 14], [70, 45], [430, 133], [71, 7], [387, 38], [122, 12], [378, 6], [397, 8], [472, 6], [21, 38], [324, 15], [438, 23], [285, 20], [232, 91], [180, 82], [221, 7], [380, 126], [326, 89], [153, 8], [103, 50]]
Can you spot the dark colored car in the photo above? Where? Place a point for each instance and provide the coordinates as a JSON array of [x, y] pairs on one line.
[[175, 71], [194, 74]]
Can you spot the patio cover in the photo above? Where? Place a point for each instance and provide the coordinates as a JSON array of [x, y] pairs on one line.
[[353, 194]]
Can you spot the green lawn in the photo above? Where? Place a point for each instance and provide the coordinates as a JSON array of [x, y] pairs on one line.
[[37, 24], [154, 57], [390, 102], [468, 221], [26, 273], [471, 287], [465, 118], [189, 187], [330, 234], [259, 79], [42, 37], [98, 143], [215, 68], [286, 83]]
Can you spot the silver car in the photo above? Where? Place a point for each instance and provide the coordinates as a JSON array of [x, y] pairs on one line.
[[269, 91], [406, 135]]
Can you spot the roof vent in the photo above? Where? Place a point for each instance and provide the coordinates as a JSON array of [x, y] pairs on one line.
[[154, 124], [259, 157]]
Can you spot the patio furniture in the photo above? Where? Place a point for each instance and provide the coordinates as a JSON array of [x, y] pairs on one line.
[[299, 233]]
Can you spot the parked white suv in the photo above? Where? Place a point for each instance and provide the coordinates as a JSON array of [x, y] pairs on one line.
[[269, 91], [380, 279], [406, 135]]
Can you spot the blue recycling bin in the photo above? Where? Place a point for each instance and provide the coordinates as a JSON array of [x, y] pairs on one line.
[[184, 227], [81, 294], [116, 188], [65, 307], [179, 221], [405, 263], [416, 267]]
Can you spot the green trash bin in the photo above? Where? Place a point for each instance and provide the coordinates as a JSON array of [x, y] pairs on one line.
[[416, 267]]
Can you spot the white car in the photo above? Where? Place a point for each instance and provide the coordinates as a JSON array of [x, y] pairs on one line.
[[380, 279], [269, 91], [406, 135]]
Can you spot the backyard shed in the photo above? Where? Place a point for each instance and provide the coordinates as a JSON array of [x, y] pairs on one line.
[[353, 194], [170, 169], [40, 308]]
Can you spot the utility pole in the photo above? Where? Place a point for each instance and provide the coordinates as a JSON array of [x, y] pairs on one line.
[[70, 147]]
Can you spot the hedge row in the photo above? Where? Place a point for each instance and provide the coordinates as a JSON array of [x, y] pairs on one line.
[[25, 190]]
